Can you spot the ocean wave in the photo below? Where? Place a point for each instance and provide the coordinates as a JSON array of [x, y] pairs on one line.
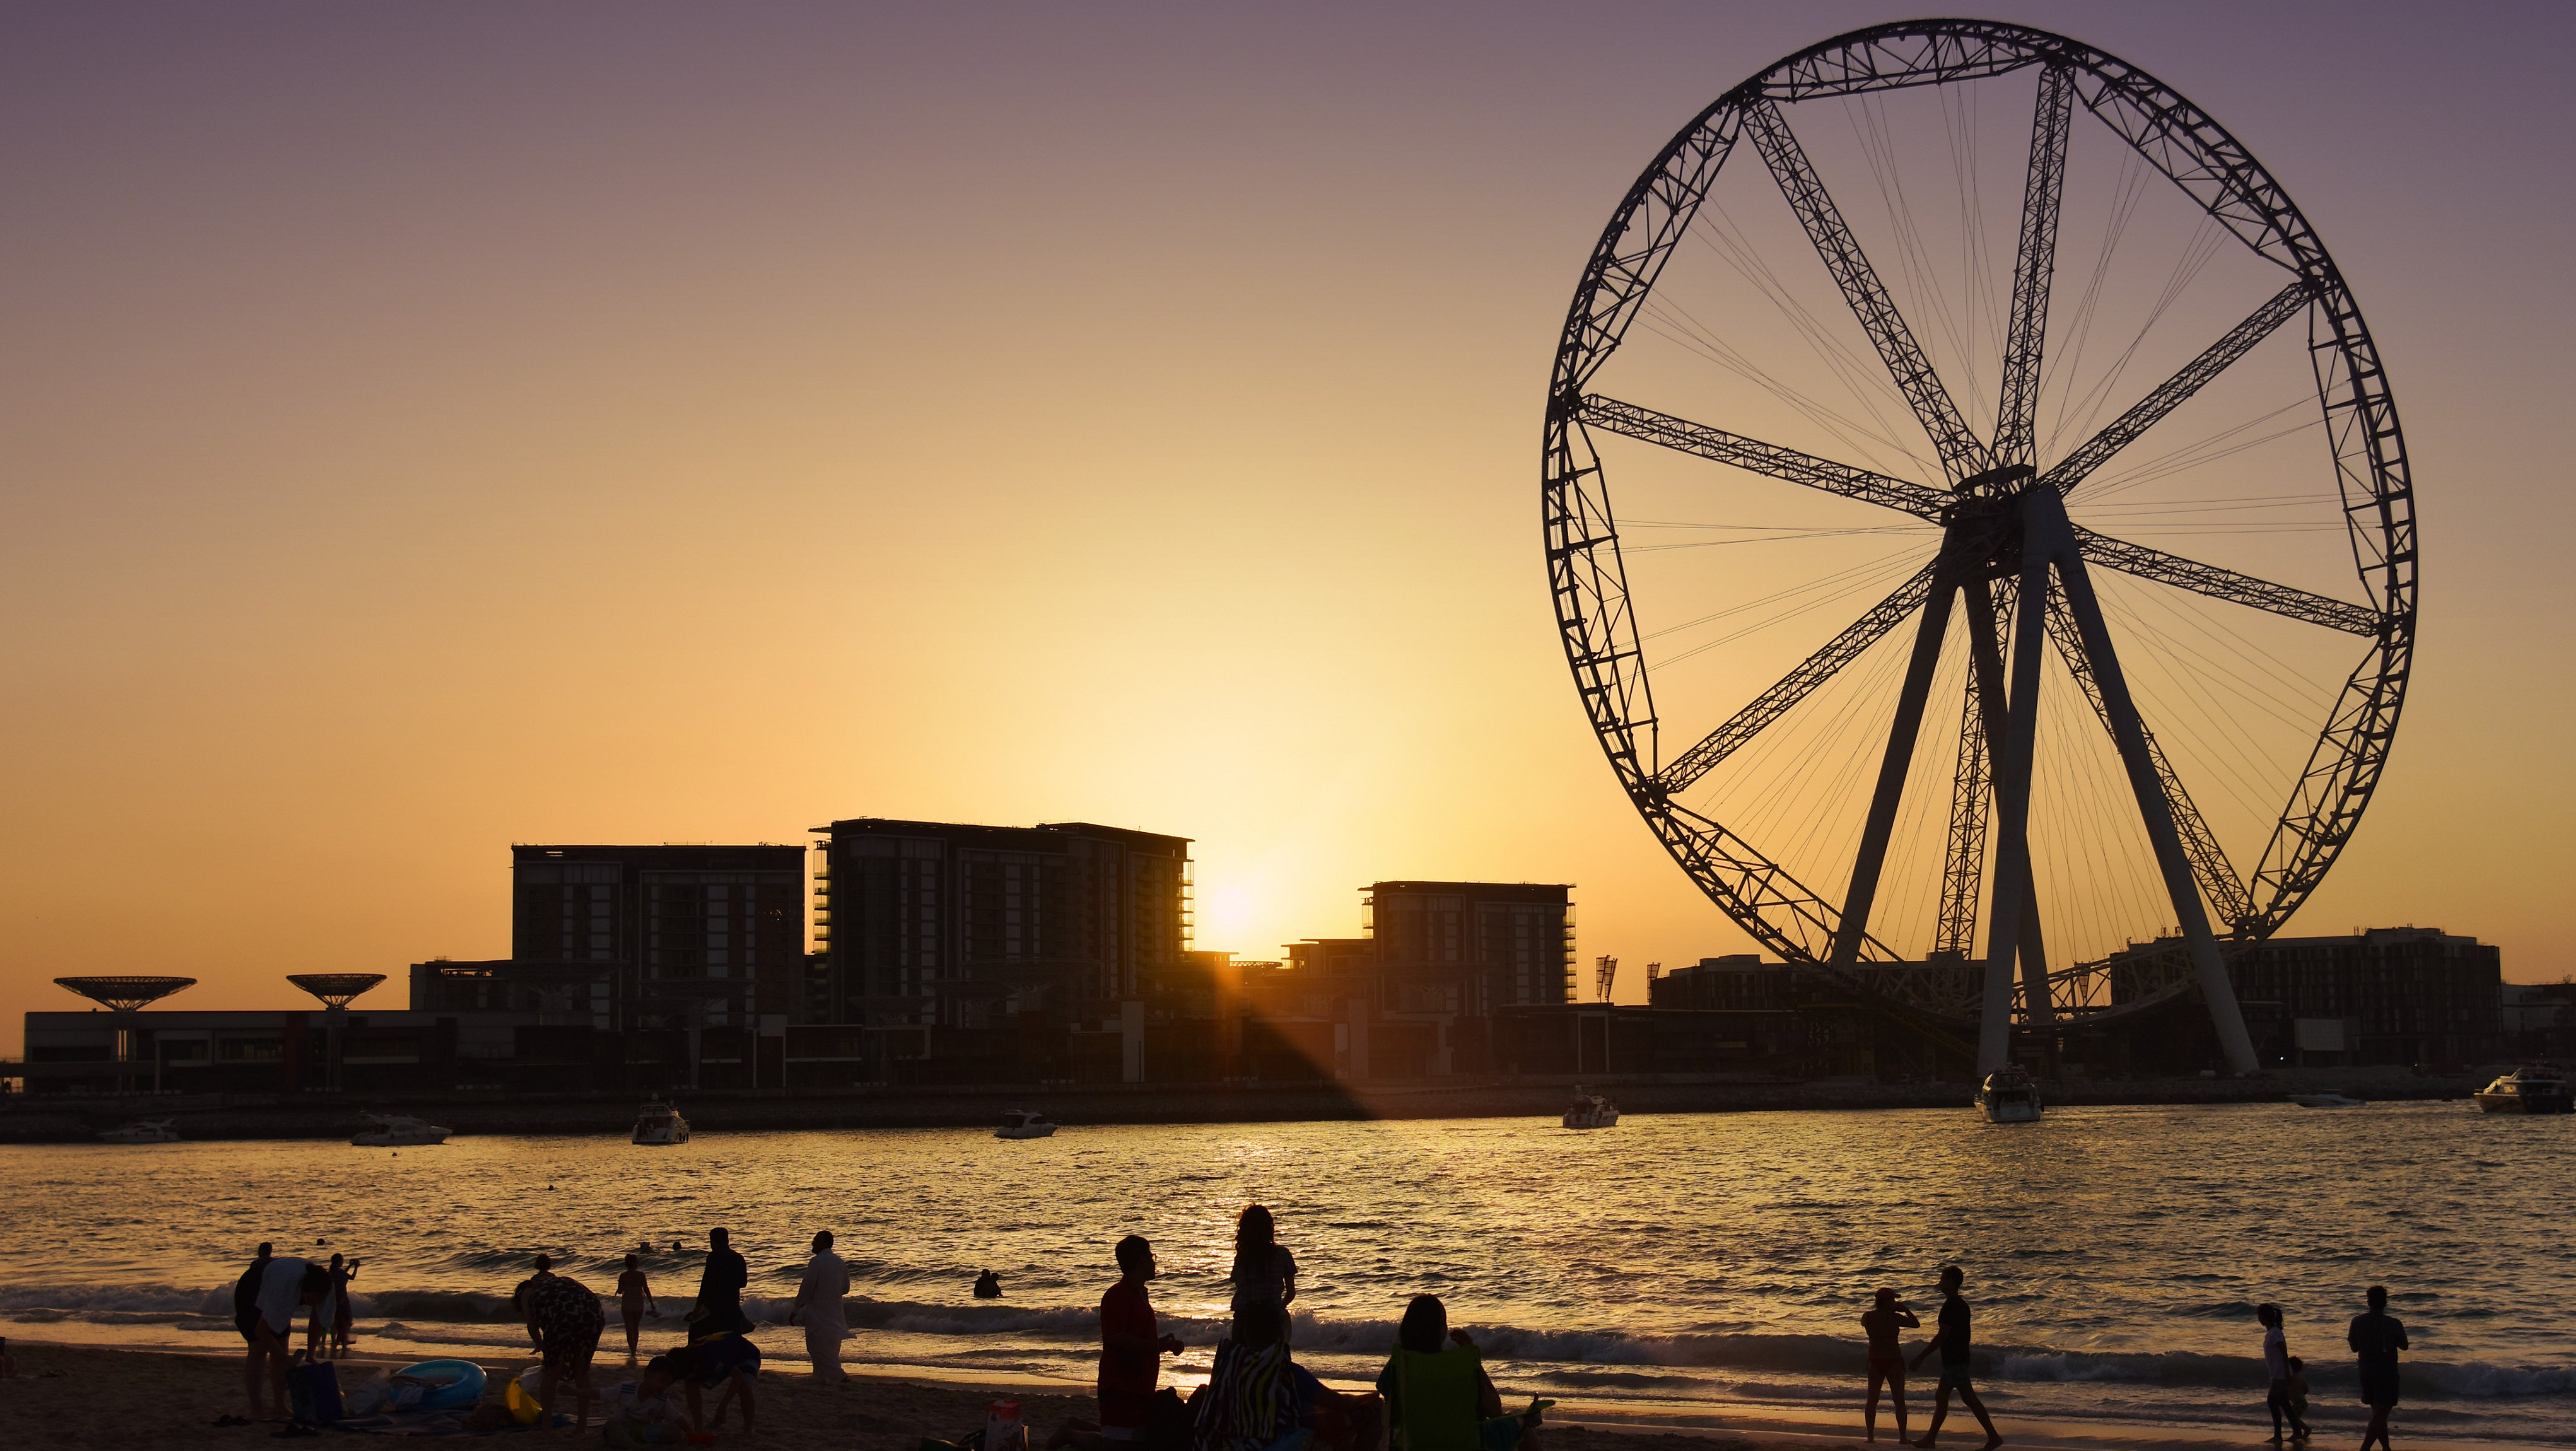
[[1621, 1359]]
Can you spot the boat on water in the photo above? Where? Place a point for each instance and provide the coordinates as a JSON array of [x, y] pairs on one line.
[[1020, 1123], [2539, 1088], [659, 1123], [142, 1131], [398, 1131], [2009, 1096], [1591, 1111], [2328, 1099]]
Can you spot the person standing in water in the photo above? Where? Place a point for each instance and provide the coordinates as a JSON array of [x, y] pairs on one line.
[[2276, 1365], [1953, 1340], [341, 1275], [1264, 1273], [1886, 1357], [720, 1288], [2375, 1337], [818, 1309], [635, 1299]]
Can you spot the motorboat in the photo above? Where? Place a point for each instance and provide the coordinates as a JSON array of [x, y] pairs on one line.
[[142, 1131], [2009, 1096], [2327, 1099], [1020, 1123], [398, 1131], [659, 1123], [2540, 1088], [1591, 1111]]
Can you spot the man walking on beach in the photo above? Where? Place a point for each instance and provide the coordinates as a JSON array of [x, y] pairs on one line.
[[720, 1289], [818, 1309], [2376, 1336], [1953, 1341]]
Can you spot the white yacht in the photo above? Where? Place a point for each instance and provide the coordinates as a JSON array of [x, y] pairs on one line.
[[2328, 1099], [1591, 1111], [398, 1131], [1020, 1123], [2540, 1089], [142, 1131], [659, 1123], [2009, 1096]]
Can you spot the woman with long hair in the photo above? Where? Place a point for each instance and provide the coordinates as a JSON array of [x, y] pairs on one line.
[[1264, 1273]]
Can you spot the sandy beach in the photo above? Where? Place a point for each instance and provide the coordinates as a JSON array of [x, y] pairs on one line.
[[157, 1401]]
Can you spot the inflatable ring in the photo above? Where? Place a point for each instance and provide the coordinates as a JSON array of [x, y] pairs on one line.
[[459, 1388]]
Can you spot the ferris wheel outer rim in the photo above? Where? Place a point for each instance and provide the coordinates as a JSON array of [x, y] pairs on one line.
[[2352, 746]]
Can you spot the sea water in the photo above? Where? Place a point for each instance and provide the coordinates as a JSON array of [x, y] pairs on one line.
[[1677, 1264]]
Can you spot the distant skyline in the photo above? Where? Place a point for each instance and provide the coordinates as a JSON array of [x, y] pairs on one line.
[[444, 427]]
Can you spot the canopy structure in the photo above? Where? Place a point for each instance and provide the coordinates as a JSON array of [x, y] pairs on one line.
[[335, 989], [125, 994]]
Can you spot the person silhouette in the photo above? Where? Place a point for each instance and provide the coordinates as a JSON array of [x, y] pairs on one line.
[[2375, 1337], [720, 1287], [1886, 1357], [2276, 1364], [988, 1286], [1953, 1341]]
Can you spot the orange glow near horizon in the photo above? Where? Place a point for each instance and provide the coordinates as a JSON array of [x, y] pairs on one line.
[[438, 429]]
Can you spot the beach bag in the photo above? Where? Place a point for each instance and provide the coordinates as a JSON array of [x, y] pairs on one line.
[[313, 1392], [1003, 1429]]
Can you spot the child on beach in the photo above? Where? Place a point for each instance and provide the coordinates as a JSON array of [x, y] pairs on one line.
[[2299, 1388], [341, 1275], [2276, 1362], [635, 1299]]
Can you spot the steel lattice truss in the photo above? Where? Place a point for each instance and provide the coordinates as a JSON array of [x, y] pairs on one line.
[[2008, 548]]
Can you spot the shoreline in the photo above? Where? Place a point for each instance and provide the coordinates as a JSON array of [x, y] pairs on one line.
[[70, 1394], [202, 1118]]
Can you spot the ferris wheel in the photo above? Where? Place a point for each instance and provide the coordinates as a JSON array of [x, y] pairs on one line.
[[2130, 578]]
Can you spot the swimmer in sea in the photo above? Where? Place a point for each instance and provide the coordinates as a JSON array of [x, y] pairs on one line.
[[988, 1286]]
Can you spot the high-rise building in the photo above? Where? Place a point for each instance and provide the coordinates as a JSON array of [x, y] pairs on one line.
[[709, 934], [1472, 947], [941, 925]]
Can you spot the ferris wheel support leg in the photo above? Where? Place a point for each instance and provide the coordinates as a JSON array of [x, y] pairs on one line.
[[1853, 925], [1985, 655], [2148, 787], [2012, 772]]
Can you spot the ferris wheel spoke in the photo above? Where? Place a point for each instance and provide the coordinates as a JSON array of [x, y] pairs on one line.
[[2226, 584], [1962, 454], [1751, 454], [1797, 685], [2217, 876], [2034, 264], [2177, 390]]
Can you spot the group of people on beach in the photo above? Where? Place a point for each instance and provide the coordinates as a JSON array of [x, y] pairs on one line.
[[1433, 1393], [2375, 1337]]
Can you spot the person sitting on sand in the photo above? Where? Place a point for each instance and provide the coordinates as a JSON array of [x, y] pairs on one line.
[[726, 1359], [640, 1413], [988, 1286], [1953, 1341], [565, 1317], [288, 1284], [1438, 1397], [818, 1309], [635, 1300], [1132, 1347], [1886, 1357]]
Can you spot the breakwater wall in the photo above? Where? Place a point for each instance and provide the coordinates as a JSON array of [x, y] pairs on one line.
[[320, 1116]]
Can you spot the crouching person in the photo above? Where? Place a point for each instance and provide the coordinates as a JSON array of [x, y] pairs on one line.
[[640, 1412], [725, 1363]]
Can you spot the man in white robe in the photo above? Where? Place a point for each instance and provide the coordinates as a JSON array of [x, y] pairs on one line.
[[818, 1308]]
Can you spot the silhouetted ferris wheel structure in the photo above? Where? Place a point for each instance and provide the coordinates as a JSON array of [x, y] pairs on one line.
[[2002, 561]]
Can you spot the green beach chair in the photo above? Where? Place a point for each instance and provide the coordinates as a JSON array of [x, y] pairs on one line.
[[1436, 1399]]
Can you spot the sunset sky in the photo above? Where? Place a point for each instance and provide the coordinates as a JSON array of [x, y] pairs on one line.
[[436, 427]]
